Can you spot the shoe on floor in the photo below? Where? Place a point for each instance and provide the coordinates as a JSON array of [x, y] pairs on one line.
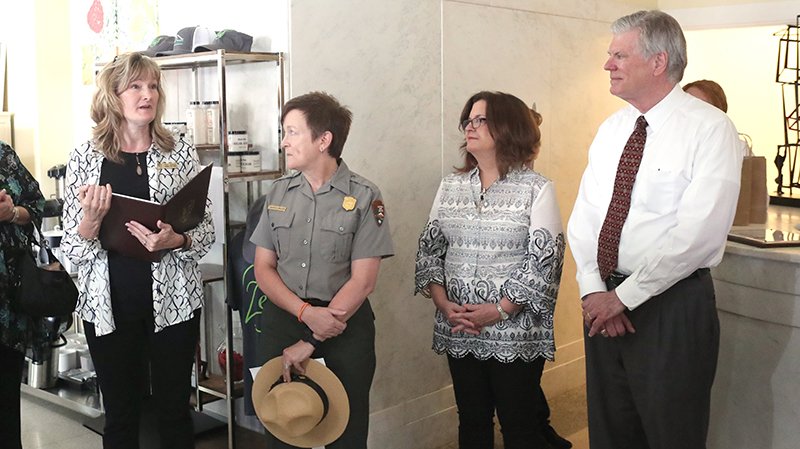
[[554, 439]]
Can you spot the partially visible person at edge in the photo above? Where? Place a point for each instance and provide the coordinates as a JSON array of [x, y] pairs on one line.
[[712, 93], [21, 207], [490, 257], [141, 319], [320, 242], [652, 331]]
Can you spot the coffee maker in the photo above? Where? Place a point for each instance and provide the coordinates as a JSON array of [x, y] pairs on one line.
[[53, 207]]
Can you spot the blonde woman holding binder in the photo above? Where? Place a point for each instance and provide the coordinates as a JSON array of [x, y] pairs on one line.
[[141, 318]]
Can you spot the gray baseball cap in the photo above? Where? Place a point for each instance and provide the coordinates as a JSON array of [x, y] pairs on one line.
[[253, 217], [230, 40], [160, 43], [186, 39]]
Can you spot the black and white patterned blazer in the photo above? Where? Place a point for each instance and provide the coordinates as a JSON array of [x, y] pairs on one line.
[[177, 286]]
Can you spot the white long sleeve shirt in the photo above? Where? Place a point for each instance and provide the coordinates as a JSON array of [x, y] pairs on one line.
[[682, 203]]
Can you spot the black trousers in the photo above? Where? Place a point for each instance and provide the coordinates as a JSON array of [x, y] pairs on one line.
[[482, 387], [351, 356], [129, 357], [11, 364], [652, 389]]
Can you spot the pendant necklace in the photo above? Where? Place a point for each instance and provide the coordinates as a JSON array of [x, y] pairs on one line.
[[481, 198], [138, 165]]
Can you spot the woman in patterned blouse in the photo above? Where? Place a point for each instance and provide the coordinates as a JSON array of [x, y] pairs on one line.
[[21, 203], [490, 257]]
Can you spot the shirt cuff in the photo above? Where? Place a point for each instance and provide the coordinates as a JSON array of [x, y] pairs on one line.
[[591, 283], [630, 294]]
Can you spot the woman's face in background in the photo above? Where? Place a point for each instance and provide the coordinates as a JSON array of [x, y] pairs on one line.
[[479, 139]]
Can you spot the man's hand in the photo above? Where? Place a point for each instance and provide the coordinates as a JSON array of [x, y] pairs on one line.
[[602, 313]]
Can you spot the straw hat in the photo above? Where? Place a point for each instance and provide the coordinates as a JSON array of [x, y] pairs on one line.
[[295, 412]]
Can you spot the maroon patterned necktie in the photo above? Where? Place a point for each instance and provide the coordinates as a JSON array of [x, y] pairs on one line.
[[608, 241]]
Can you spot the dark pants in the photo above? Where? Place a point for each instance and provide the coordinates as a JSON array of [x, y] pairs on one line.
[[351, 356], [512, 389], [11, 363], [129, 357], [652, 389]]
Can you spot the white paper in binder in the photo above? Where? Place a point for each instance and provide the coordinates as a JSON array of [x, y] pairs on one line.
[[215, 194]]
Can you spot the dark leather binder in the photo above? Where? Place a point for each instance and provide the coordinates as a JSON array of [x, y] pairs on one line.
[[183, 211]]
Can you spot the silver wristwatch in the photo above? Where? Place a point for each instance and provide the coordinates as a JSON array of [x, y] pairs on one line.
[[503, 314]]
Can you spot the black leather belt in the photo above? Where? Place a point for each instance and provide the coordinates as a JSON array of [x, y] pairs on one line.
[[615, 279]]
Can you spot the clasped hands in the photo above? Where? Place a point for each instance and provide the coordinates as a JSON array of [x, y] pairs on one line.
[[470, 318], [95, 201], [325, 323], [603, 314]]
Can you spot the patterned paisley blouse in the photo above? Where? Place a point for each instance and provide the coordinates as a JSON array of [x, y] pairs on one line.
[[177, 287], [17, 331], [508, 243]]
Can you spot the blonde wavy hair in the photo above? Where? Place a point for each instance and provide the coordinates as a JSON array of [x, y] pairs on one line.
[[106, 110]]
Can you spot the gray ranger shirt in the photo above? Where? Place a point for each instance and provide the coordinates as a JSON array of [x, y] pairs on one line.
[[317, 235]]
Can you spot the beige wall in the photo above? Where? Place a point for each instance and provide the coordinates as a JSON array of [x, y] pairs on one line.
[[39, 85]]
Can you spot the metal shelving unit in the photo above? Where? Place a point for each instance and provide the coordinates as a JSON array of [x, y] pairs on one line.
[[220, 63]]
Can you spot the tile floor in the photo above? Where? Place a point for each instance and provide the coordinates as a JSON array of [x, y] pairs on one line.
[[48, 426]]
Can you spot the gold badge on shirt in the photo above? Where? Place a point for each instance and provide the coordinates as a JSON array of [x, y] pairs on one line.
[[167, 165], [276, 208], [349, 203]]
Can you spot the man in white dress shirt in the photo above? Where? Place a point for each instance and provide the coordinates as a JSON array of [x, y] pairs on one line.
[[652, 331]]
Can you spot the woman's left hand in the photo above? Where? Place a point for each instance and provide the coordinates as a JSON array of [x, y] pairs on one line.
[[165, 238], [6, 206], [294, 357], [480, 315]]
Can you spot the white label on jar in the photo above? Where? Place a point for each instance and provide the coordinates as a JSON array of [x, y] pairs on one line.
[[251, 162], [234, 163]]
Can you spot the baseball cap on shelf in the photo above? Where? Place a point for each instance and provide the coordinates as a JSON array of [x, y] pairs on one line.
[[187, 38], [160, 43], [230, 40]]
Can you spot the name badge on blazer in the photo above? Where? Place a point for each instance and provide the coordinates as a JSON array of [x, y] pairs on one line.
[[276, 208], [167, 165]]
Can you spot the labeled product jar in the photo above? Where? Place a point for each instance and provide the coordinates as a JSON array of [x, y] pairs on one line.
[[235, 163], [251, 161], [212, 122], [196, 121], [237, 141]]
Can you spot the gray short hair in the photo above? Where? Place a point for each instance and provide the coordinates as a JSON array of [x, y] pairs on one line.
[[659, 32]]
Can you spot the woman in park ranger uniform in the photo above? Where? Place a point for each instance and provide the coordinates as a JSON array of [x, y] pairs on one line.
[[320, 241]]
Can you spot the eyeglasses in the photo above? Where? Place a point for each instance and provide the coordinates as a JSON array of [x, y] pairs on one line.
[[476, 122]]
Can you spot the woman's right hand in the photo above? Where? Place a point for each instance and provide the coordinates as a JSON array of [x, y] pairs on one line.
[[95, 201], [324, 321]]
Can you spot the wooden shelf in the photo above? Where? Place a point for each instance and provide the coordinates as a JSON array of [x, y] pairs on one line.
[[215, 386]]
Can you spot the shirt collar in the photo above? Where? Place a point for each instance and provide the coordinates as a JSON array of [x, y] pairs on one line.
[[340, 180], [659, 113]]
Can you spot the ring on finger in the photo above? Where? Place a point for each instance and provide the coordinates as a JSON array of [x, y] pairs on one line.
[[604, 333], [286, 365]]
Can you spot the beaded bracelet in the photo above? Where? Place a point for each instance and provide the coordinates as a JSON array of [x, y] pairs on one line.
[[15, 215]]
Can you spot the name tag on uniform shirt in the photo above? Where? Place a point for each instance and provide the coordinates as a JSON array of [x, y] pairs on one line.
[[276, 207]]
